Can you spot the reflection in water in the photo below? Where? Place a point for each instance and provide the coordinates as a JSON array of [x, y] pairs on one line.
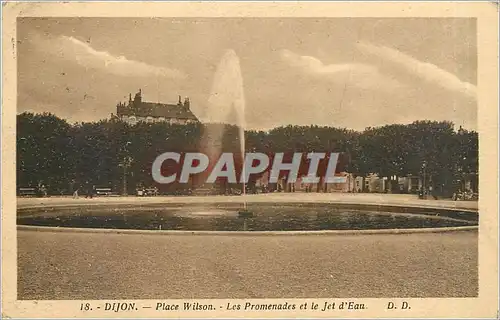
[[224, 217]]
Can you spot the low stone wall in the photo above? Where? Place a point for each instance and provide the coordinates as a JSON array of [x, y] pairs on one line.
[[368, 199]]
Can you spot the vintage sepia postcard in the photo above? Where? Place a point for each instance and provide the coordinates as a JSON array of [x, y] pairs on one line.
[[249, 160]]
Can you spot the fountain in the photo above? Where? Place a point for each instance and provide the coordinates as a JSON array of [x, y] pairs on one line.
[[226, 104], [227, 100], [226, 215]]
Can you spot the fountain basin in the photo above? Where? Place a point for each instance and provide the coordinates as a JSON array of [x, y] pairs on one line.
[[226, 217]]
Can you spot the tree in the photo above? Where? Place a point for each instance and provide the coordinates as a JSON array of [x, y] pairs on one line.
[[44, 151], [63, 156]]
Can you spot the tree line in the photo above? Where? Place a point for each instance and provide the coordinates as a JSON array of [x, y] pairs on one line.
[[62, 155]]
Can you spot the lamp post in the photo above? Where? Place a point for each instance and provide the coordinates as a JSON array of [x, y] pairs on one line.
[[424, 166], [126, 162], [463, 177]]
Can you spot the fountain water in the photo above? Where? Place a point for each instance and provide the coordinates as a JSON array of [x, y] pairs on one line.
[[226, 104]]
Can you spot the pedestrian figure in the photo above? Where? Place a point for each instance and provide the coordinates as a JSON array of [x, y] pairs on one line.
[[88, 190], [431, 192], [91, 192], [421, 193], [44, 191], [75, 194]]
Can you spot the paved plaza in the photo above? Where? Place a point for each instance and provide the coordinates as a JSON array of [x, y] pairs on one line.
[[354, 198], [71, 265]]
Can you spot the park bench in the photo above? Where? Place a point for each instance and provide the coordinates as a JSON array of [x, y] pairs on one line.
[[151, 191], [146, 192], [103, 191], [25, 192]]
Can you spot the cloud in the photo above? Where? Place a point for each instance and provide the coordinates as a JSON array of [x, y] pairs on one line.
[[425, 71], [365, 76], [315, 66], [72, 49]]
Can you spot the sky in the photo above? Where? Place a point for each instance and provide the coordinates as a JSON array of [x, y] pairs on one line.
[[342, 72]]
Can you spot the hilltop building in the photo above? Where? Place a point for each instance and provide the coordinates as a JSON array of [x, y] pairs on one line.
[[137, 110]]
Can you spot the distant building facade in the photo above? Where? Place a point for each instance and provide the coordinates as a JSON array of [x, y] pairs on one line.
[[137, 110], [410, 184], [300, 186], [373, 183]]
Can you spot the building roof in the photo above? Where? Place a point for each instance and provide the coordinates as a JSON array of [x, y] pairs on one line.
[[139, 108], [157, 110]]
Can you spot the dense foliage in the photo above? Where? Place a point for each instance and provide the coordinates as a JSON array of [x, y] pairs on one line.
[[60, 155]]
